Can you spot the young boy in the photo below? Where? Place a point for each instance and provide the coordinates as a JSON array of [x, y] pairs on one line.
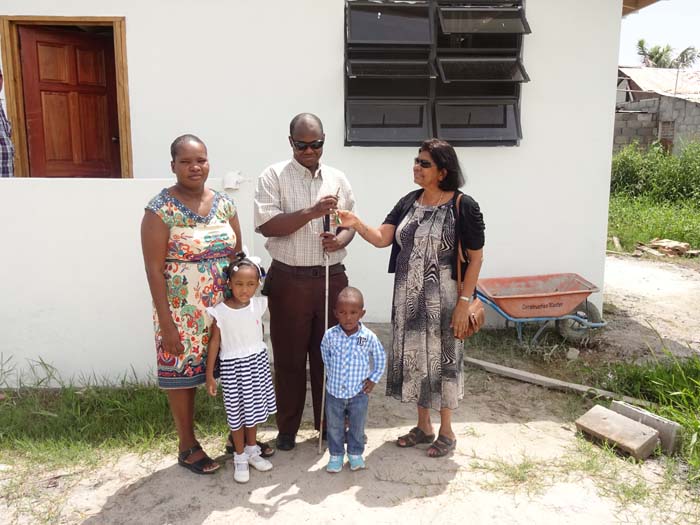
[[346, 350]]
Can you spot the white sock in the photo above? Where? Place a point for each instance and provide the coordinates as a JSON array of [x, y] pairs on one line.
[[252, 450]]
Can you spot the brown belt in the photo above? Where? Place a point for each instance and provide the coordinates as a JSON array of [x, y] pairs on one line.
[[308, 271]]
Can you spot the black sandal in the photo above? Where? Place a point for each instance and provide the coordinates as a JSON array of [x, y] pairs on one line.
[[443, 446], [199, 466], [414, 437], [266, 451]]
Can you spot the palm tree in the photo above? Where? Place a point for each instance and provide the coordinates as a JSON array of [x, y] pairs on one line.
[[658, 56]]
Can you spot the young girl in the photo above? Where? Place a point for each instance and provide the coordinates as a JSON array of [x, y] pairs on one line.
[[237, 338]]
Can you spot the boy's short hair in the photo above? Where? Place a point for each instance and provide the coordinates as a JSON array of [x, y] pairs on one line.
[[353, 294]]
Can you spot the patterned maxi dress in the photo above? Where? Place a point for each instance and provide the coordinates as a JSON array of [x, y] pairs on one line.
[[198, 250], [425, 362]]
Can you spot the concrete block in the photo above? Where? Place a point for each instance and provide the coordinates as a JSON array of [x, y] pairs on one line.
[[634, 124], [645, 117], [619, 139], [669, 431], [647, 132], [628, 435], [650, 124], [629, 132]]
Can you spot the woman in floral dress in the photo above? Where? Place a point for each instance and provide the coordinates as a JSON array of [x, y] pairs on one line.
[[188, 235]]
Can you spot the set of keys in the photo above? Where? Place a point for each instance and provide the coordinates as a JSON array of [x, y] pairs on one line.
[[334, 214]]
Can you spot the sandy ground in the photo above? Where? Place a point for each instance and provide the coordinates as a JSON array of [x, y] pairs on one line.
[[518, 460], [655, 306]]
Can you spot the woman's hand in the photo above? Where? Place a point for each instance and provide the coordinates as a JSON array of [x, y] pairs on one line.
[[211, 385], [347, 219], [460, 319], [170, 340]]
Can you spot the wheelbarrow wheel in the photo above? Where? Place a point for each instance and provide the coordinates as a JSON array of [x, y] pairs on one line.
[[574, 331]]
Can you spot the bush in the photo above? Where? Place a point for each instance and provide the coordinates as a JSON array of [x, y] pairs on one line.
[[656, 174], [639, 219]]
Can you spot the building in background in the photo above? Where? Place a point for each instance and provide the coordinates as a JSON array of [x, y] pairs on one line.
[[656, 104]]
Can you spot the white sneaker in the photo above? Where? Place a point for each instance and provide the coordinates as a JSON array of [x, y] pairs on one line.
[[241, 473], [256, 461]]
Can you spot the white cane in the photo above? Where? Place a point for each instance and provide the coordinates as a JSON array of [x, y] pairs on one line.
[[326, 228]]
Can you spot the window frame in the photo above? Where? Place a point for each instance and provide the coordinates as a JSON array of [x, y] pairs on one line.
[[510, 121], [477, 59], [349, 63], [354, 41], [370, 141], [435, 92], [519, 9]]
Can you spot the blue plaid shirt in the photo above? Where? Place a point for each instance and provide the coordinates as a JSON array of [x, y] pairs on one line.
[[347, 360], [7, 149]]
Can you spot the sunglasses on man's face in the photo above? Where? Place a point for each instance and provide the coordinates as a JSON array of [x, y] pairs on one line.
[[301, 146], [423, 163]]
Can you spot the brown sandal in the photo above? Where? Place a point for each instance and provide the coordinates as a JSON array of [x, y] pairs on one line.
[[414, 437], [442, 446]]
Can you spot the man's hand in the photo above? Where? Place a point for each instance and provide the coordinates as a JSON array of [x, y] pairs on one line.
[[368, 386], [330, 242], [325, 205]]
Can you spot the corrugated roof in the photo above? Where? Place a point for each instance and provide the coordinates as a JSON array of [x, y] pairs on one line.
[[663, 81]]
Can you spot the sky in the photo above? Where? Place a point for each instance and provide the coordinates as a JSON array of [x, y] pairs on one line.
[[673, 22]]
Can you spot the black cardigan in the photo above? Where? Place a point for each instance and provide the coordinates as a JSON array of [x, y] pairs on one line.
[[471, 226]]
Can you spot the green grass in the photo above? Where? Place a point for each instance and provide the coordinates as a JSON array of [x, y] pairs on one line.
[[640, 219], [525, 475], [72, 424]]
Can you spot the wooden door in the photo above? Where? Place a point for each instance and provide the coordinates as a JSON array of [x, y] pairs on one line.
[[70, 103]]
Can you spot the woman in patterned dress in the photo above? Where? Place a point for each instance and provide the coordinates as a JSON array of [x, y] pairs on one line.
[[429, 321], [188, 235]]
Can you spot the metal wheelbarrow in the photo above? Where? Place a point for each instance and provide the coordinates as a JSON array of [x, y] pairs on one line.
[[558, 297]]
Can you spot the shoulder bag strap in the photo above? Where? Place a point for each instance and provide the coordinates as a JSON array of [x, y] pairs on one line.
[[460, 253]]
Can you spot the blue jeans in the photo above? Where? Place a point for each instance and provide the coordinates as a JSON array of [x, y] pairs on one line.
[[356, 410]]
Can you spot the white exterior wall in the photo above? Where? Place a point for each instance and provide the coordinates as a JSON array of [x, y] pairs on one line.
[[234, 73]]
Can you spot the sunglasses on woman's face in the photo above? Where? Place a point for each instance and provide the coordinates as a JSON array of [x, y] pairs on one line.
[[301, 146], [423, 163]]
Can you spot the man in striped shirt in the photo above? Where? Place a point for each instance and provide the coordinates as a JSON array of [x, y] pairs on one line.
[[291, 200], [354, 359], [7, 149]]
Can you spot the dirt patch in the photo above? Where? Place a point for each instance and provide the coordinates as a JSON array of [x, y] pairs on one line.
[[518, 461], [650, 306]]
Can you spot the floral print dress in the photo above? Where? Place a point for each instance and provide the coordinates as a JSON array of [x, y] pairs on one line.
[[198, 250]]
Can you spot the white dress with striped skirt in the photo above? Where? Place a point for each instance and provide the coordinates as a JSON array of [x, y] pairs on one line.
[[249, 398]]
